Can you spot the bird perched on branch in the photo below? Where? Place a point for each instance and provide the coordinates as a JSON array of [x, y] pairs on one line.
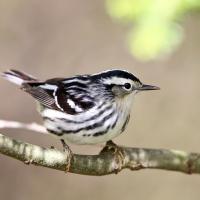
[[84, 109]]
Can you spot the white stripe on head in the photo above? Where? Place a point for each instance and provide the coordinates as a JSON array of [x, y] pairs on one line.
[[116, 80]]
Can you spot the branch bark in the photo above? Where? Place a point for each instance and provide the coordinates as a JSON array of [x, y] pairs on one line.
[[102, 164]]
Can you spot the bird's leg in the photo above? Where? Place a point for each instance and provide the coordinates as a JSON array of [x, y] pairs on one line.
[[117, 152], [69, 154], [28, 162]]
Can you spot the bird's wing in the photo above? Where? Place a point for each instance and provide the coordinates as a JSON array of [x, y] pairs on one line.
[[71, 99], [70, 95], [42, 95]]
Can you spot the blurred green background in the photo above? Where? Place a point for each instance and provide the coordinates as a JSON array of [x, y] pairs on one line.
[[63, 38], [156, 24]]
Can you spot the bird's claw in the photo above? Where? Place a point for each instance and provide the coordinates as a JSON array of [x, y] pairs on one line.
[[67, 150], [28, 162], [117, 152]]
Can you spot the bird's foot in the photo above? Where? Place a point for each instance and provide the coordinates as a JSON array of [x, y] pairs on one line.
[[118, 153], [69, 155], [28, 162]]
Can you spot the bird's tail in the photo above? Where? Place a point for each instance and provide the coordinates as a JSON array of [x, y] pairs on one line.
[[18, 77]]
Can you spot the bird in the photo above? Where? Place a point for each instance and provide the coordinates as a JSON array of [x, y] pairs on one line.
[[83, 109]]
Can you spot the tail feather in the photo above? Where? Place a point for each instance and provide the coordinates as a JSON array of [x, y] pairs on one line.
[[18, 77]]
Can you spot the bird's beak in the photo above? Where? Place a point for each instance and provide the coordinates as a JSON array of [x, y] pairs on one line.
[[148, 87]]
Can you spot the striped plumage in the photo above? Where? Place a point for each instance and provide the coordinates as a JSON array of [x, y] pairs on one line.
[[84, 109]]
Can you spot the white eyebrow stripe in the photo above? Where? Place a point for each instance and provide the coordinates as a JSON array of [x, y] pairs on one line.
[[116, 80]]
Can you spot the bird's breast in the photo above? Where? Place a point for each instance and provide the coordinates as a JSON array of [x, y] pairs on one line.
[[92, 127]]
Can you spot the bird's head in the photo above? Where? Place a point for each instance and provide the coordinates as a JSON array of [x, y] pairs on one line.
[[122, 83]]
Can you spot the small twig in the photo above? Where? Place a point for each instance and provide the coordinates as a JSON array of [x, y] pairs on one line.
[[20, 125]]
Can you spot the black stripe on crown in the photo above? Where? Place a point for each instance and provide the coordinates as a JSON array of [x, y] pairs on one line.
[[116, 73]]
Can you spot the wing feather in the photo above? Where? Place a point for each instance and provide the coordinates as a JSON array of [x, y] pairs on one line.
[[59, 97]]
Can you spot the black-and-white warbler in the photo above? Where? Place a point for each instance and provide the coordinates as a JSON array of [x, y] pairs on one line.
[[84, 109]]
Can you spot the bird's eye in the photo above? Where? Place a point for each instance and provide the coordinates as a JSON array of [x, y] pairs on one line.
[[127, 86]]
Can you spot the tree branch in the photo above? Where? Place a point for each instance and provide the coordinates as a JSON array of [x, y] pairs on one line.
[[102, 164]]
